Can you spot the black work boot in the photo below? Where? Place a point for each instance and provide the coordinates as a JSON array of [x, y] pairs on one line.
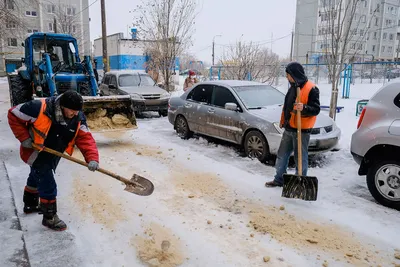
[[50, 217], [31, 200]]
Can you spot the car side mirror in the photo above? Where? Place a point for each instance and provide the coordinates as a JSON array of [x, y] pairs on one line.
[[22, 59], [231, 106], [112, 86]]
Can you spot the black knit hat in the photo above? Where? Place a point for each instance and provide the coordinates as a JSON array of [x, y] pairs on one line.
[[72, 100]]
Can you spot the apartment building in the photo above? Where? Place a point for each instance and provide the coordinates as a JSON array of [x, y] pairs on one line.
[[28, 16], [374, 32]]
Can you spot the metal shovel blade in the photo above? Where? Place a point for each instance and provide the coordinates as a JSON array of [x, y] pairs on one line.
[[300, 187], [140, 186]]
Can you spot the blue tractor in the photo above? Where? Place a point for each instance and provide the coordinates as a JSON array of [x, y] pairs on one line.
[[52, 66]]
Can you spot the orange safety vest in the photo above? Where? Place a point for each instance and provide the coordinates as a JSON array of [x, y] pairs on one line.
[[306, 122], [41, 127]]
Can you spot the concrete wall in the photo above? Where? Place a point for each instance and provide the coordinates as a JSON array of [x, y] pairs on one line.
[[123, 53]]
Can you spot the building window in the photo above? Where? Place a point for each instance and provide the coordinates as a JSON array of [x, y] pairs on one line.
[[31, 13], [12, 42], [11, 24], [9, 4], [376, 21], [373, 48], [51, 9], [363, 18], [390, 49], [51, 26], [360, 46], [353, 46], [354, 32], [361, 32], [31, 31], [71, 11], [391, 36], [378, 8], [375, 35], [384, 36], [383, 49], [73, 28]]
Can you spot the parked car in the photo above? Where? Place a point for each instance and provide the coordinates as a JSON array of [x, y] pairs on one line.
[[375, 145], [145, 93], [245, 113]]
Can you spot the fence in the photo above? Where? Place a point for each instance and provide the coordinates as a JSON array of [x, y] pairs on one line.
[[355, 73]]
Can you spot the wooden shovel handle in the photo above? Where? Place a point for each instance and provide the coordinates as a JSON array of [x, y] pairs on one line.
[[81, 162], [299, 155]]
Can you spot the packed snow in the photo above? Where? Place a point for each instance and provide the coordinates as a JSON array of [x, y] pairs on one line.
[[209, 207]]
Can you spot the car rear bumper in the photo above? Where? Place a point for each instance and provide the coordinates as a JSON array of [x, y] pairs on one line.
[[357, 158]]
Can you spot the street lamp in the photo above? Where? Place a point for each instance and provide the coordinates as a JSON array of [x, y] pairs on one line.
[[213, 48]]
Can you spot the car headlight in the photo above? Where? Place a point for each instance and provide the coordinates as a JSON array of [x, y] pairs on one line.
[[166, 94], [136, 96], [278, 129]]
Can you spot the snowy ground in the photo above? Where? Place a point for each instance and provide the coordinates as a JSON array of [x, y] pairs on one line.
[[209, 203]]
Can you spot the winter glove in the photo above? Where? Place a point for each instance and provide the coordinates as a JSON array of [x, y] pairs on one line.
[[27, 143], [93, 165]]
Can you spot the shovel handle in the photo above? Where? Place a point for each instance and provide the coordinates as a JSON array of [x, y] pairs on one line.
[[299, 155], [81, 162]]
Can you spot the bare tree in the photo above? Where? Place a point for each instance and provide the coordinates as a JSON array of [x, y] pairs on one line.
[[168, 26], [344, 27], [250, 60]]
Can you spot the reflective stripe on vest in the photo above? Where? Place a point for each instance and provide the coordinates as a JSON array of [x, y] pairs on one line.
[[41, 127], [306, 122]]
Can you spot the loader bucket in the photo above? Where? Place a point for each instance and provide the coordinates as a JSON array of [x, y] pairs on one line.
[[109, 113]]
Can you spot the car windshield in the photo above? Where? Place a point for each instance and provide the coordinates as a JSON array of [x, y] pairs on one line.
[[259, 96], [127, 80]]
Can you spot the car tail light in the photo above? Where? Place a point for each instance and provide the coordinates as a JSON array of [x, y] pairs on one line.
[[361, 117]]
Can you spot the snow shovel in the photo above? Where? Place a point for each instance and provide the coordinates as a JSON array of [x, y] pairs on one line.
[[137, 185], [299, 186]]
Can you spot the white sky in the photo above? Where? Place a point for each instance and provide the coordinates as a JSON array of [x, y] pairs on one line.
[[257, 20]]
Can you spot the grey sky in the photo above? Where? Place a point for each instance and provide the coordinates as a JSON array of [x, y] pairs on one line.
[[255, 19]]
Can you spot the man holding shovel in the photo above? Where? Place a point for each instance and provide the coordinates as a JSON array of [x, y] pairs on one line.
[[309, 107], [58, 123]]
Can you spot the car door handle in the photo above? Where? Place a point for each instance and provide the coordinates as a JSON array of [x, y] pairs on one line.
[[187, 105], [211, 110]]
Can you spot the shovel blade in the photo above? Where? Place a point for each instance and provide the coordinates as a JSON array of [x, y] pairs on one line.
[[300, 187], [140, 186]]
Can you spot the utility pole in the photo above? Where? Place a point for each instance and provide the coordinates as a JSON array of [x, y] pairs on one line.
[[104, 36], [291, 47], [213, 48]]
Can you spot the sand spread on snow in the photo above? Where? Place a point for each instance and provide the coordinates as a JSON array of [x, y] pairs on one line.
[[94, 202], [159, 247], [274, 221], [98, 120]]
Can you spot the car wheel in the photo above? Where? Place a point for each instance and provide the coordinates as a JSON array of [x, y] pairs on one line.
[[182, 128], [383, 180], [163, 113], [256, 146]]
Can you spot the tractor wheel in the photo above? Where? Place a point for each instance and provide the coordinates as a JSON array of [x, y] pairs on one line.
[[20, 91], [85, 89]]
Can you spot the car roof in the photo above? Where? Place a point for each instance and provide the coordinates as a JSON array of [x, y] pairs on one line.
[[232, 83], [119, 72]]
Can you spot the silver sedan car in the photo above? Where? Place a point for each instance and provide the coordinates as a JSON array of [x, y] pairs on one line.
[[245, 113]]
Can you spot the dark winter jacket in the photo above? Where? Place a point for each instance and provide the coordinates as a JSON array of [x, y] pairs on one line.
[[312, 108], [61, 132]]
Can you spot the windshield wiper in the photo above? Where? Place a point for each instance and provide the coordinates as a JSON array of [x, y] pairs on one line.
[[140, 79], [256, 108]]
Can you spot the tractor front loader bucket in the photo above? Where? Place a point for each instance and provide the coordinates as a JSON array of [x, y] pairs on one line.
[[109, 113]]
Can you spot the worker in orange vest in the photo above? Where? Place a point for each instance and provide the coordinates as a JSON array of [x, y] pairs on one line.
[[58, 123], [310, 107]]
